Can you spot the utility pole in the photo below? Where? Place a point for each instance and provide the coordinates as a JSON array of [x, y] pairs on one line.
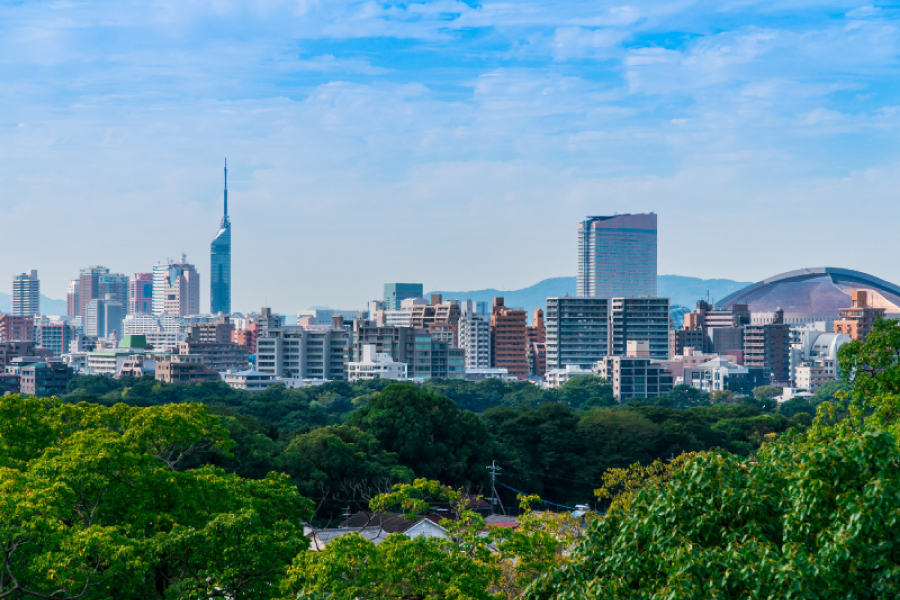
[[495, 499]]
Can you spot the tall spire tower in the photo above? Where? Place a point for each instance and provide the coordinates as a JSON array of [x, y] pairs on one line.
[[220, 262]]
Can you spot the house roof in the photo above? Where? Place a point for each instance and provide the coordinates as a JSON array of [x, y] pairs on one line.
[[389, 522]]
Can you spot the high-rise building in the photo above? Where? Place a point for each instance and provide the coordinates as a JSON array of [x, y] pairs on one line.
[[140, 294], [577, 331], [220, 263], [395, 293], [314, 352], [639, 319], [16, 328], [72, 299], [103, 317], [634, 374], [176, 289], [617, 256], [767, 347], [26, 295], [475, 337], [114, 286], [509, 342], [89, 287]]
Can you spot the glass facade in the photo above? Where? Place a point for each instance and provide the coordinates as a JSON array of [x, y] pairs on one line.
[[220, 263], [617, 256]]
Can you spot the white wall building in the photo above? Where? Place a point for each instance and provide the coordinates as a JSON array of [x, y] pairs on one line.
[[304, 352], [558, 377], [250, 380], [375, 365], [811, 347], [323, 316], [475, 337]]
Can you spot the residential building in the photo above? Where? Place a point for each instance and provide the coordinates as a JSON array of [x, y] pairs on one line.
[[577, 331], [474, 337], [536, 332], [45, 379], [55, 336], [691, 357], [395, 293], [250, 380], [812, 347], [220, 263], [103, 317], [768, 347], [375, 365], [212, 341], [639, 319], [489, 373], [509, 343], [813, 375], [721, 374], [296, 352], [426, 355], [635, 375], [12, 350], [247, 337], [140, 294], [440, 318], [323, 316], [402, 317], [679, 339], [163, 333], [184, 368], [376, 528], [26, 295], [617, 256], [558, 377], [15, 328], [176, 289], [858, 320], [537, 358], [725, 340], [73, 298]]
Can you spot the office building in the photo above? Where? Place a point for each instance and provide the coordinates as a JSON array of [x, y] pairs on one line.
[[45, 379], [89, 287], [395, 293], [475, 339], [73, 298], [13, 350], [639, 319], [858, 320], [617, 256], [103, 317], [375, 365], [140, 294], [16, 328], [295, 352], [768, 347], [509, 342], [114, 286], [635, 375], [220, 263], [577, 331], [163, 333], [26, 295], [176, 289]]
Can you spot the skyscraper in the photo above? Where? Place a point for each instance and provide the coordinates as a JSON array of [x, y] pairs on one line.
[[26, 295], [617, 256], [176, 289], [140, 294], [396, 293], [96, 282], [220, 263]]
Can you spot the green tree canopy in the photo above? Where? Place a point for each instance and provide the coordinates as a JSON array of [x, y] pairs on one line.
[[428, 434]]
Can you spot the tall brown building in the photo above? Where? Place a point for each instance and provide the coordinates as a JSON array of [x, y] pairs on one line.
[[537, 333], [509, 340], [858, 320], [440, 318], [768, 347]]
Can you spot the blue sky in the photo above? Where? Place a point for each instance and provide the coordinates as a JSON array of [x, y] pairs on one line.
[[452, 143]]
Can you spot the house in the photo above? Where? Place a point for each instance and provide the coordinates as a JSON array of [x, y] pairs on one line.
[[376, 528]]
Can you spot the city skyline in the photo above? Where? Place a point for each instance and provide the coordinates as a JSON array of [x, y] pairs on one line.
[[752, 126]]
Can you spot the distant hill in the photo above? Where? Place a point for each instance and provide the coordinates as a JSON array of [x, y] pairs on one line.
[[683, 291], [49, 306]]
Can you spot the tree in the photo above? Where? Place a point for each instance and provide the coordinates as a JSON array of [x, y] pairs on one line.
[[428, 434], [587, 391], [681, 396], [811, 515], [94, 504]]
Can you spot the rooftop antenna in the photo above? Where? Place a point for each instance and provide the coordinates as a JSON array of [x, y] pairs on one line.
[[225, 217]]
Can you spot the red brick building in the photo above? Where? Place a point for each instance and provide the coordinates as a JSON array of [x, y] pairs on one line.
[[509, 340]]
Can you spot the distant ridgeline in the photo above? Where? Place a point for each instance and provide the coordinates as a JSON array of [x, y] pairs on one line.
[[683, 293]]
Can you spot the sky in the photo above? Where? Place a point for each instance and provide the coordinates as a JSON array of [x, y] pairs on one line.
[[456, 144]]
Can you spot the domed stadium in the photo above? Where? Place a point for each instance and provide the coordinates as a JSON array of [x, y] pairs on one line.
[[815, 294]]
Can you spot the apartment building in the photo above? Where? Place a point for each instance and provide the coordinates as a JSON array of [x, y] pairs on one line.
[[509, 341], [577, 331]]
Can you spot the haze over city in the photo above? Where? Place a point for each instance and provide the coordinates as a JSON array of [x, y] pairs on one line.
[[452, 143]]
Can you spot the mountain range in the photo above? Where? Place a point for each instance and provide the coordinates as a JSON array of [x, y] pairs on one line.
[[49, 306], [682, 291]]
